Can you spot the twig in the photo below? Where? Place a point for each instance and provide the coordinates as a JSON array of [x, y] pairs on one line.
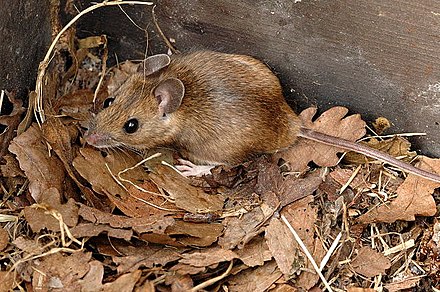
[[139, 199], [353, 175], [306, 251], [103, 69], [330, 251], [213, 280], [160, 32]]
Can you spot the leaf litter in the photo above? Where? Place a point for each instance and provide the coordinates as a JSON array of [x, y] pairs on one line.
[[74, 218]]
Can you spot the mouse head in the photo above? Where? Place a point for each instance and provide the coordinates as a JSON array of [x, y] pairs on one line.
[[141, 114]]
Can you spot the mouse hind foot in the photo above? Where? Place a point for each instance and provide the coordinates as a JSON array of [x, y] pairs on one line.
[[187, 168]]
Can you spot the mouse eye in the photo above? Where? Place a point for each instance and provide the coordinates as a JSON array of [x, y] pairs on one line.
[[108, 102], [131, 126]]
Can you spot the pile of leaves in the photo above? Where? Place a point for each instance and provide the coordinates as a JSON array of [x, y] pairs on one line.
[[74, 218]]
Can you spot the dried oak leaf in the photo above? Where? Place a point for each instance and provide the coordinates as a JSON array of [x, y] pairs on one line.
[[331, 122], [7, 280], [42, 169], [195, 234], [11, 168], [4, 239], [255, 253], [90, 229], [11, 122], [131, 201], [60, 137], [142, 255], [39, 215], [76, 104], [156, 224], [240, 230], [370, 263], [179, 282], [186, 196], [258, 279], [283, 246], [120, 74], [92, 281], [414, 197], [359, 289], [302, 216], [287, 188], [342, 176], [403, 285], [396, 146], [208, 257], [59, 271], [124, 283]]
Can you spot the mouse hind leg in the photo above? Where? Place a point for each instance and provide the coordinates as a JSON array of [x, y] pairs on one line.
[[187, 168]]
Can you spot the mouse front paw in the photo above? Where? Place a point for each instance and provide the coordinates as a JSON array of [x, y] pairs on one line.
[[187, 168]]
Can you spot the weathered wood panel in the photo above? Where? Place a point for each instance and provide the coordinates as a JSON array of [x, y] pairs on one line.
[[25, 35]]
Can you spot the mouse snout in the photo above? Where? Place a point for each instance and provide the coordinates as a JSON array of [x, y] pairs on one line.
[[95, 139]]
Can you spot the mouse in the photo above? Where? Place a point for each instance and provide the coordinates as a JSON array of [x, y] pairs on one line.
[[213, 108]]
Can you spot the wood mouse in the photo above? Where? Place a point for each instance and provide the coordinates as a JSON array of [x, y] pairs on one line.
[[214, 108]]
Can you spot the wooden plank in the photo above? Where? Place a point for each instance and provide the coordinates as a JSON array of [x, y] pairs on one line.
[[375, 57]]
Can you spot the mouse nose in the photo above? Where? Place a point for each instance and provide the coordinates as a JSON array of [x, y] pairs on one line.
[[91, 138]]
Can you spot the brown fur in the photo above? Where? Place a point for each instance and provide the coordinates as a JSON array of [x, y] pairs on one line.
[[233, 109]]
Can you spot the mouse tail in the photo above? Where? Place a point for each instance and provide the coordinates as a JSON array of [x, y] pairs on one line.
[[367, 151]]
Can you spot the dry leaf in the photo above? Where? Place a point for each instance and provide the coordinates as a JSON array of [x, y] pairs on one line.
[[396, 146], [92, 281], [10, 122], [180, 283], [90, 229], [39, 216], [402, 285], [42, 170], [287, 188], [255, 253], [28, 245], [284, 248], [302, 216], [342, 176], [143, 255], [195, 234], [156, 223], [332, 122], [208, 257], [287, 288], [92, 166], [7, 281], [256, 280], [4, 239], [359, 289], [370, 263], [124, 283], [239, 231], [60, 139], [58, 271], [186, 196], [414, 198], [76, 104], [11, 168]]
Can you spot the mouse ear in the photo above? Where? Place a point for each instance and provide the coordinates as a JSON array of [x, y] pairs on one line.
[[169, 94], [154, 63]]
